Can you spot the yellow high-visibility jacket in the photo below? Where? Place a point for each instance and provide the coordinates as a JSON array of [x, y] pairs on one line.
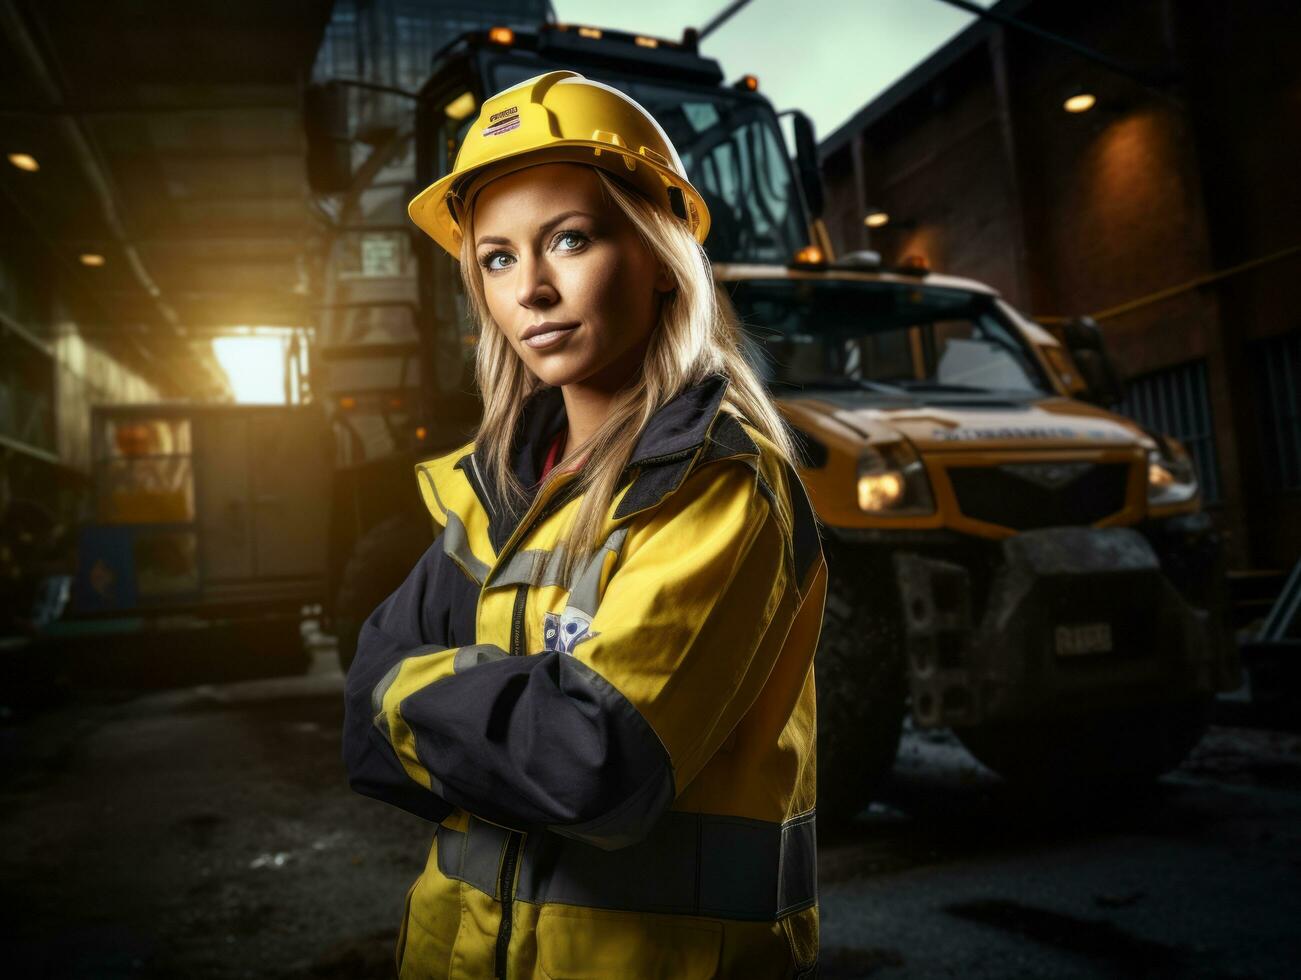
[[621, 767]]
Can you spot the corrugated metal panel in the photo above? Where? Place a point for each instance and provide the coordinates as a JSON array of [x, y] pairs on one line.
[[1176, 401], [1278, 394]]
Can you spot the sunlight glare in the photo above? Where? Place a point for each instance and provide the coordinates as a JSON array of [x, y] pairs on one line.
[[255, 367]]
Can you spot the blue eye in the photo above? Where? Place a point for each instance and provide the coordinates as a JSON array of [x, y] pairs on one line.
[[489, 261], [576, 237]]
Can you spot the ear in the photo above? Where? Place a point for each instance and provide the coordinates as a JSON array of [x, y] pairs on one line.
[[663, 281]]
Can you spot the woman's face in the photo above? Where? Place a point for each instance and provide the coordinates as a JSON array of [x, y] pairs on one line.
[[554, 253]]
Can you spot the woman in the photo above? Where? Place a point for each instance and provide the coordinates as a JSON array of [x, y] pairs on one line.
[[598, 681]]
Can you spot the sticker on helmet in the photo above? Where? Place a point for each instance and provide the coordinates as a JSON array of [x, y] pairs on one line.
[[502, 122]]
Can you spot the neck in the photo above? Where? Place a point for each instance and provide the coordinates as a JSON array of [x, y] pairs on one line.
[[588, 402], [587, 408]]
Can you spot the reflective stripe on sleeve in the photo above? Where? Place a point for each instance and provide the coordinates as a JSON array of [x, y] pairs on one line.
[[479, 653]]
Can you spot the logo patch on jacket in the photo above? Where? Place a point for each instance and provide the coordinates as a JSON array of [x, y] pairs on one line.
[[563, 631]]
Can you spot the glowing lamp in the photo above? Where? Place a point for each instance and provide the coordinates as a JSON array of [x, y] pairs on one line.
[[460, 107], [1080, 102], [880, 491]]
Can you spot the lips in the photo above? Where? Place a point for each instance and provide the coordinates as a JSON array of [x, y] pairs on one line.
[[547, 327]]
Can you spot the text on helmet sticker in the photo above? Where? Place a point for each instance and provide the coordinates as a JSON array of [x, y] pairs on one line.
[[502, 122]]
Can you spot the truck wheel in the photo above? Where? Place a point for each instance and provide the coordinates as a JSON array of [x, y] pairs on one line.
[[380, 561], [861, 691], [1133, 745]]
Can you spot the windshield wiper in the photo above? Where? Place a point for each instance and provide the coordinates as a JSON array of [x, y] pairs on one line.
[[881, 386], [997, 394], [943, 386], [862, 383]]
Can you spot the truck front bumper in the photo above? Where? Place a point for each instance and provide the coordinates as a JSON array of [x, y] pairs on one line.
[[1074, 620]]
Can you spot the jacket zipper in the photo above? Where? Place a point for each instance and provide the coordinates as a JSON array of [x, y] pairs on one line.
[[517, 620], [514, 839], [513, 843]]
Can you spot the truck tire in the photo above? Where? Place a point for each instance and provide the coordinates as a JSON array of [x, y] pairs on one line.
[[861, 690], [1128, 746], [380, 561]]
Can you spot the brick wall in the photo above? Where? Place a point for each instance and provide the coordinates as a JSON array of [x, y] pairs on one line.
[[984, 173]]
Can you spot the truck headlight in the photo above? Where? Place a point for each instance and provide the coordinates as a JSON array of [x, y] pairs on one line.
[[892, 480], [1171, 478]]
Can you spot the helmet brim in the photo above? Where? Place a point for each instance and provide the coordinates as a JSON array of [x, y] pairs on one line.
[[435, 209]]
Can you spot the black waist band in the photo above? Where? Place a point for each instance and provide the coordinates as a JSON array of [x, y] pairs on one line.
[[690, 864]]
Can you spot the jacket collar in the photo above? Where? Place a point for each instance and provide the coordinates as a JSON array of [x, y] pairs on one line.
[[676, 430]]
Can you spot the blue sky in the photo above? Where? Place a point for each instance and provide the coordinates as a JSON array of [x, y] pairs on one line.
[[828, 58]]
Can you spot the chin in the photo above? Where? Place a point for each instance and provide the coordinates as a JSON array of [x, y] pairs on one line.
[[602, 370], [559, 370]]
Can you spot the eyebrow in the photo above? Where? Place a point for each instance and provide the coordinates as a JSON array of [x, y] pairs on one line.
[[542, 228]]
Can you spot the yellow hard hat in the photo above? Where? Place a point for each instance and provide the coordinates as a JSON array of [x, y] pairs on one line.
[[559, 116]]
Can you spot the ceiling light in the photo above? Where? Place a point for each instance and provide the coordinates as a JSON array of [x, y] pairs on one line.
[[876, 218], [24, 161], [91, 259], [1080, 102]]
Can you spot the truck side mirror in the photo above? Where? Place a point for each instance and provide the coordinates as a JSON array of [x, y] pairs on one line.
[[329, 143], [1083, 338], [806, 162]]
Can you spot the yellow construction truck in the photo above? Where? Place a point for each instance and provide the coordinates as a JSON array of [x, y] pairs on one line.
[[1008, 558]]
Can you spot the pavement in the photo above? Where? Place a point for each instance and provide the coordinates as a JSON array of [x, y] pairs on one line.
[[955, 874], [204, 832], [210, 832]]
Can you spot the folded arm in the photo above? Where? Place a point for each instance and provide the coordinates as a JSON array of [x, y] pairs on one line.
[[595, 744]]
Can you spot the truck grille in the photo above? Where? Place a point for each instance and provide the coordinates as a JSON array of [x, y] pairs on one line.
[[1030, 496]]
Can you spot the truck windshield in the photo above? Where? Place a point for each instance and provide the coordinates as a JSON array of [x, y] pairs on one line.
[[889, 338], [734, 155]]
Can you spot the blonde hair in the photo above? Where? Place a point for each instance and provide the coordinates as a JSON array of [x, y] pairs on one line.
[[697, 335]]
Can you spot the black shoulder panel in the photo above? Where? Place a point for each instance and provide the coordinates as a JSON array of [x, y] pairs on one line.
[[726, 438], [652, 483], [806, 542]]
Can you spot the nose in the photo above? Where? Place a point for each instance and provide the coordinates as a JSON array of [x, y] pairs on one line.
[[533, 286]]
